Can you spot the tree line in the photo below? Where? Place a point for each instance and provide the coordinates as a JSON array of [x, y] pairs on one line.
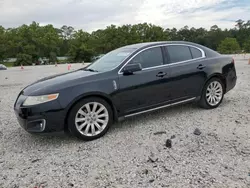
[[28, 43]]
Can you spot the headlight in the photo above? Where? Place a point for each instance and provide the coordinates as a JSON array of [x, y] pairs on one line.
[[33, 100]]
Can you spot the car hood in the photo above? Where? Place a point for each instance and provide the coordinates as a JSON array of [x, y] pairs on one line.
[[56, 82]]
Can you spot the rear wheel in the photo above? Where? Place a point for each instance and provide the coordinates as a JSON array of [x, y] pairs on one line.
[[90, 118], [212, 94]]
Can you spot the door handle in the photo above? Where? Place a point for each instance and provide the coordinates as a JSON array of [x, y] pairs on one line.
[[161, 74], [201, 66]]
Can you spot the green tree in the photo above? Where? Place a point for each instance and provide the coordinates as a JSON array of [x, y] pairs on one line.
[[214, 37], [40, 41], [66, 32], [53, 57], [246, 45], [239, 23], [81, 47], [81, 54], [242, 31], [23, 59], [3, 44], [229, 46]]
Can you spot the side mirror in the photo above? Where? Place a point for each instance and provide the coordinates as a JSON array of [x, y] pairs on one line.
[[131, 68]]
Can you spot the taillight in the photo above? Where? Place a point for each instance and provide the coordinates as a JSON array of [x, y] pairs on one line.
[[233, 60]]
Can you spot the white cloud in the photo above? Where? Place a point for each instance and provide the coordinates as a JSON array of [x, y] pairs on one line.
[[86, 14], [95, 14], [194, 13], [208, 18]]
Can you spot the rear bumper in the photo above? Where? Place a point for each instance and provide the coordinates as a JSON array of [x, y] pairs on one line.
[[43, 118], [231, 80]]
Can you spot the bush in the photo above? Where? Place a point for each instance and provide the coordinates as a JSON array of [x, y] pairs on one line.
[[52, 57], [82, 53], [23, 59], [229, 46]]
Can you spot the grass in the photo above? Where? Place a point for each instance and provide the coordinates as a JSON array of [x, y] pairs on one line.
[[63, 61], [8, 64]]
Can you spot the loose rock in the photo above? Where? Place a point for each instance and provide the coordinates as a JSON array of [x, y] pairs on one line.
[[236, 121], [166, 169], [197, 132], [246, 151], [151, 180], [36, 160], [152, 158], [160, 132], [169, 143], [145, 171], [173, 137]]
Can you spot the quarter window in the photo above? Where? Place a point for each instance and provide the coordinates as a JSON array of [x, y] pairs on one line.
[[178, 53], [149, 58], [195, 52]]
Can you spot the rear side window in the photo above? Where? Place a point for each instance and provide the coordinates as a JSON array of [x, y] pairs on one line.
[[195, 52], [178, 53], [149, 58]]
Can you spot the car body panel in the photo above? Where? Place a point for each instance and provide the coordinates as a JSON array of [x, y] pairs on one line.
[[141, 90], [53, 84], [53, 115], [187, 79]]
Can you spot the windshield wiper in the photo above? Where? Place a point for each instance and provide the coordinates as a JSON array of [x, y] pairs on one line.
[[91, 70]]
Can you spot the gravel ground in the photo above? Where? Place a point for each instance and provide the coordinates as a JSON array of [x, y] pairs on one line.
[[133, 152]]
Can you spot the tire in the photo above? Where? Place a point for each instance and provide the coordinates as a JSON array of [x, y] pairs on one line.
[[82, 119], [205, 101]]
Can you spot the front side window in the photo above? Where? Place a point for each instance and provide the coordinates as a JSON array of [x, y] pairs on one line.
[[178, 53], [149, 58]]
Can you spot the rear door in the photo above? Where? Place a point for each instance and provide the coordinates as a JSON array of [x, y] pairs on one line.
[[146, 88], [186, 64]]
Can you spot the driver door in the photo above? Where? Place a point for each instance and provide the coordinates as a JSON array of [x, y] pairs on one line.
[[146, 88]]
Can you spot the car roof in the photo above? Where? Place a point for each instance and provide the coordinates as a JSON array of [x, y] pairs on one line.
[[147, 44]]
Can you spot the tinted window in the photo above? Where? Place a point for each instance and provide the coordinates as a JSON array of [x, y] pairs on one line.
[[195, 52], [178, 53], [149, 58]]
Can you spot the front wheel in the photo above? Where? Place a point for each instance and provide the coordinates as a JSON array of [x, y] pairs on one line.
[[90, 118], [212, 94]]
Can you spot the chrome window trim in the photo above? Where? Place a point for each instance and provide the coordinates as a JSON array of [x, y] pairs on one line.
[[164, 45]]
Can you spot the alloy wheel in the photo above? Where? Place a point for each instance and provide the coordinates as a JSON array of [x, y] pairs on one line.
[[214, 93], [91, 119]]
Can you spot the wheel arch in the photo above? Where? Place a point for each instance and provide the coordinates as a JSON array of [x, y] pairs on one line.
[[88, 95], [216, 75]]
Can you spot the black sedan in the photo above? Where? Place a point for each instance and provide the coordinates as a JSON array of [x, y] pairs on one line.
[[125, 82]]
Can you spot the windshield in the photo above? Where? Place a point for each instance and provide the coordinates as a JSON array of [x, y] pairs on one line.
[[111, 60]]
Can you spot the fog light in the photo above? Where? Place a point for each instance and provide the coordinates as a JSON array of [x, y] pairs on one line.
[[36, 125]]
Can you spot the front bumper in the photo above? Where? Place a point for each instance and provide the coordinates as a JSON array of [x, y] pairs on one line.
[[42, 118]]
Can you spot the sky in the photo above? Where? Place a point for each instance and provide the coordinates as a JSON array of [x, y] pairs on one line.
[[91, 15]]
